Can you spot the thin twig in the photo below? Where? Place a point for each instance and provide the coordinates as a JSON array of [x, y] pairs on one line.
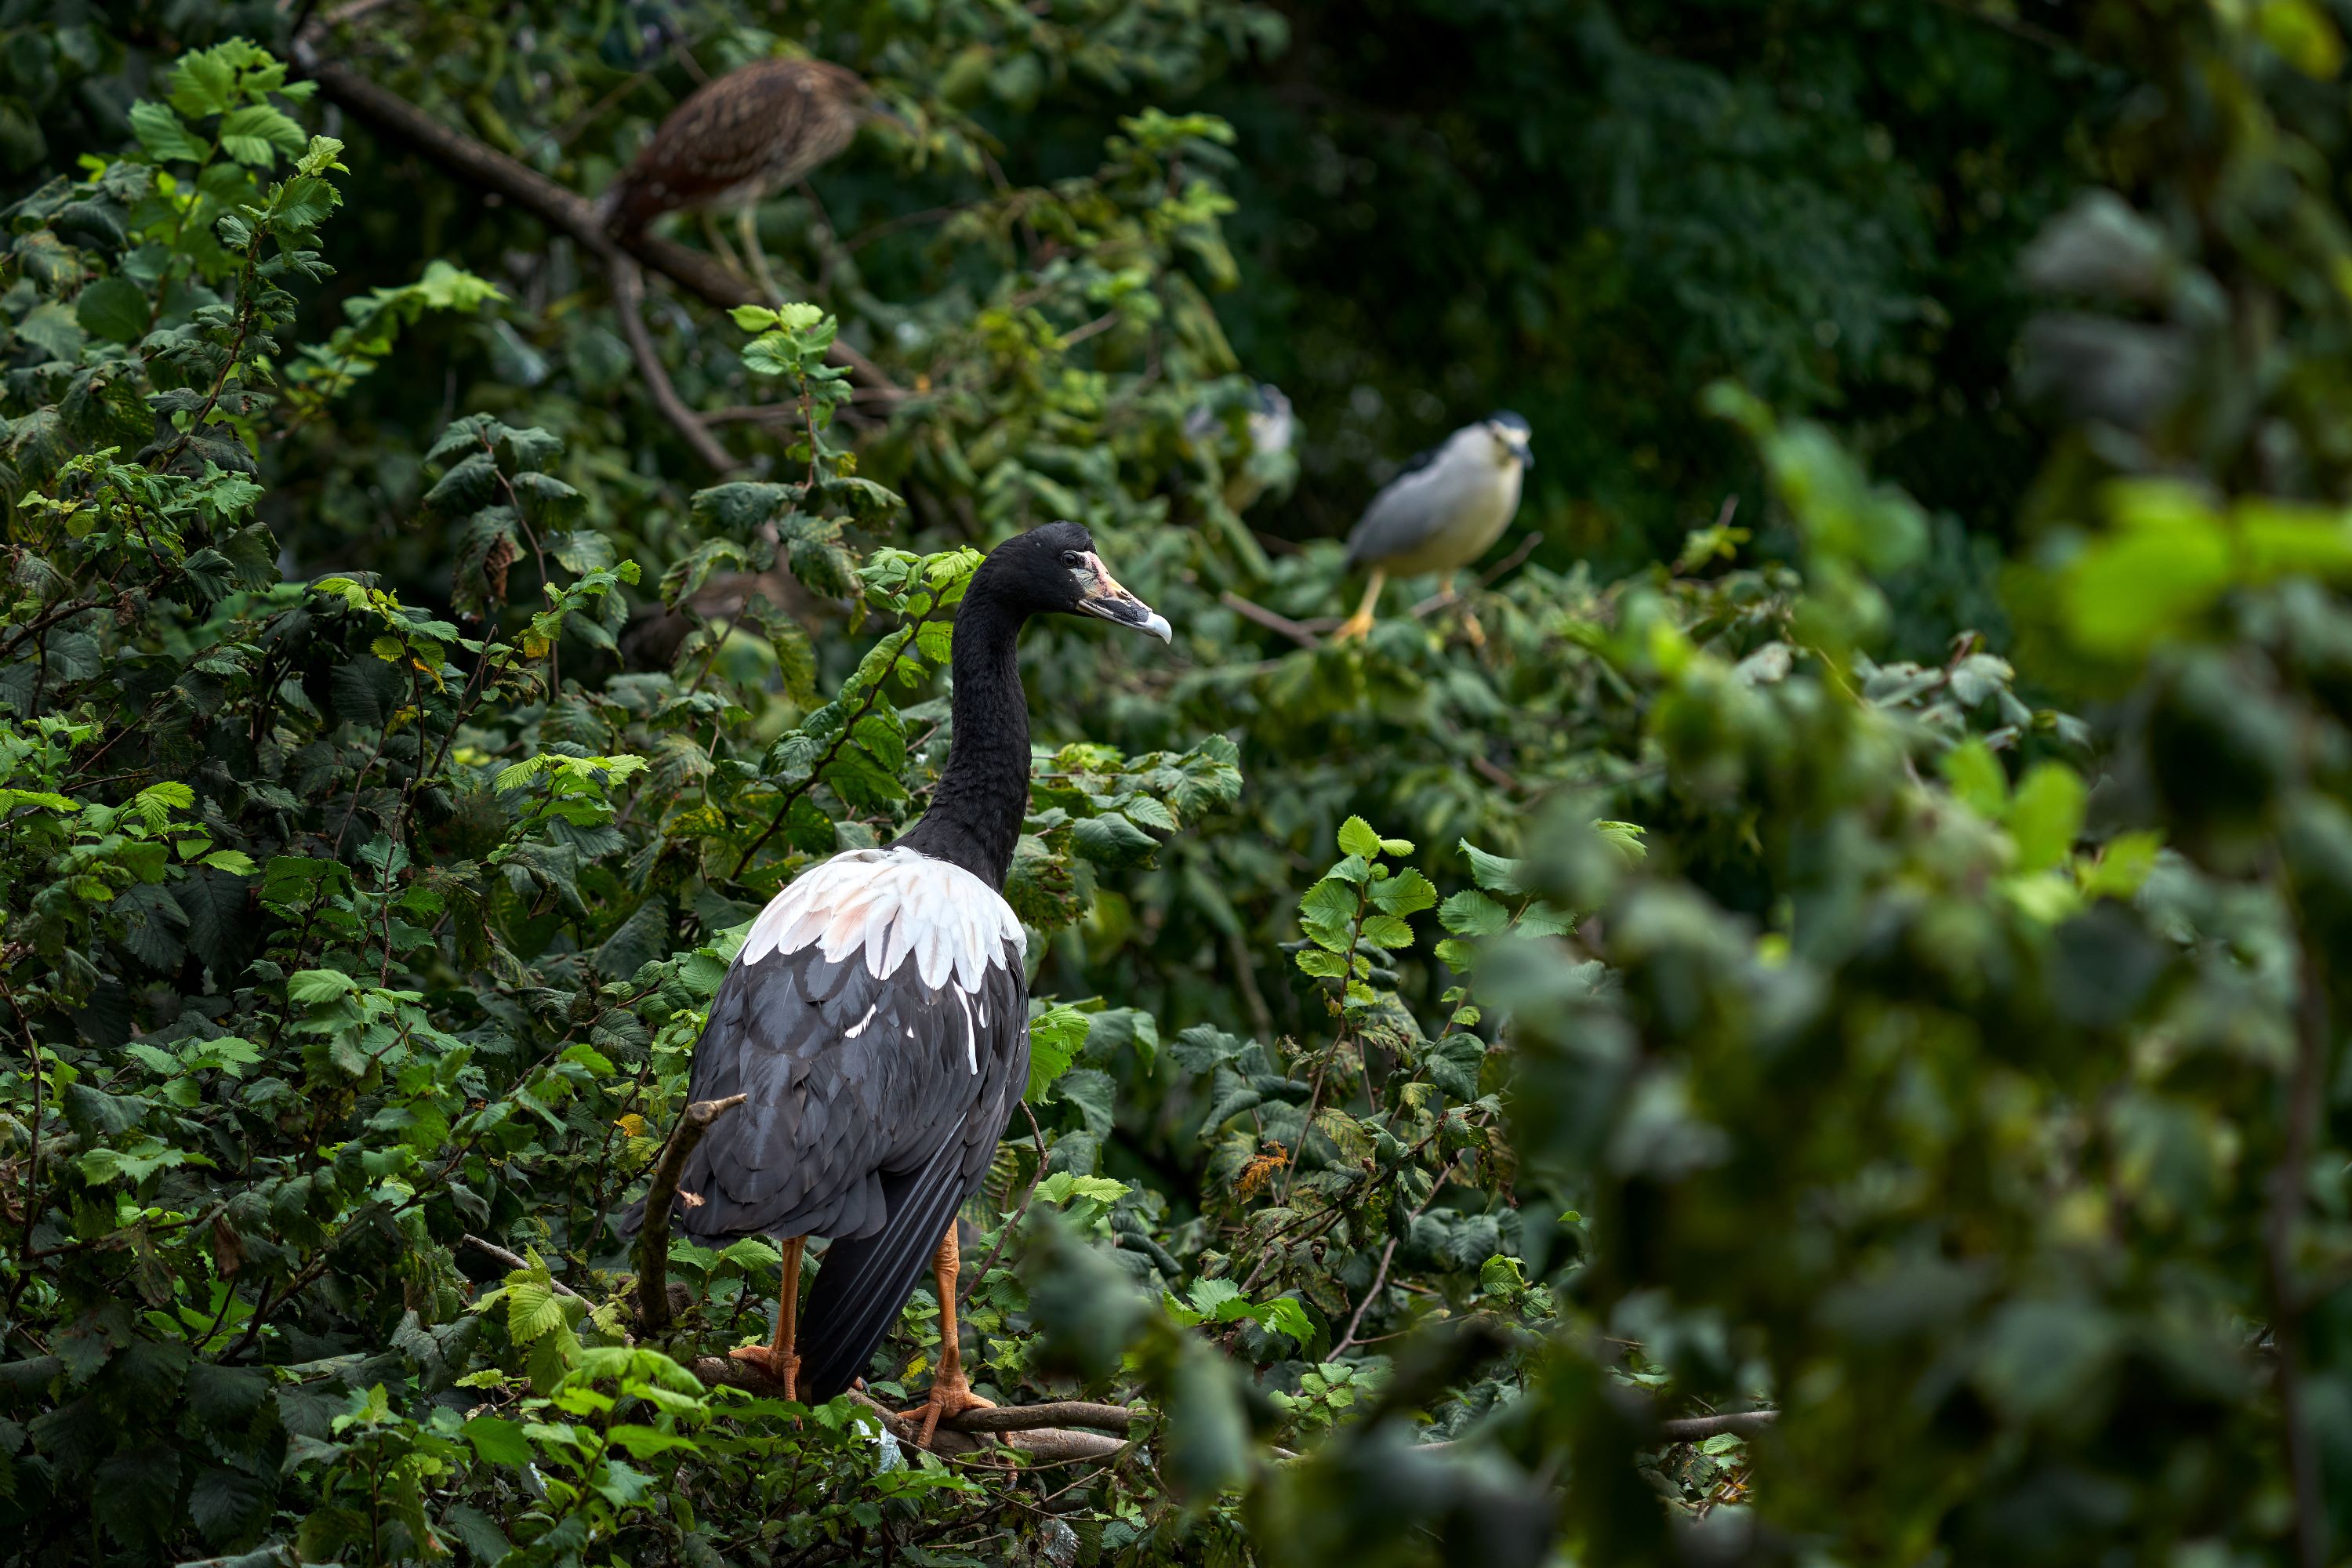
[[1487, 580], [653, 1241], [1273, 622], [1356, 1320], [629, 304], [491, 1249], [972, 1282]]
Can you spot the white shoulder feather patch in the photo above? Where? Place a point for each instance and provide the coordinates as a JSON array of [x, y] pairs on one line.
[[893, 904]]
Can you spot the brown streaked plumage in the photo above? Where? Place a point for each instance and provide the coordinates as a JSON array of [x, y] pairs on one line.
[[749, 133]]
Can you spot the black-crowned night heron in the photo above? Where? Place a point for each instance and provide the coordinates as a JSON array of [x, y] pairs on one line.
[[738, 140], [1268, 464], [1443, 512], [877, 1018]]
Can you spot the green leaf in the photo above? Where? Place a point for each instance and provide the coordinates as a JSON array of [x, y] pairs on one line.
[[1625, 837], [1065, 1187], [2046, 817], [309, 987], [163, 136], [113, 309], [1976, 777], [2123, 866], [302, 203], [532, 1309], [1112, 841], [1207, 1443], [498, 1441], [645, 1442], [1471, 913], [1406, 893], [1357, 838], [1495, 873], [1285, 1315], [1055, 1036]]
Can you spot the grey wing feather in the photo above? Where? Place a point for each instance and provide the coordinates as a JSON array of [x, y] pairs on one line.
[[1407, 510], [851, 1079]]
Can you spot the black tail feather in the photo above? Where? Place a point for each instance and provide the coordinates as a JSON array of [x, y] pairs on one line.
[[862, 1283]]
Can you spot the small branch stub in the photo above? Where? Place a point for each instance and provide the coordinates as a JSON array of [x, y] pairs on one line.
[[652, 1256]]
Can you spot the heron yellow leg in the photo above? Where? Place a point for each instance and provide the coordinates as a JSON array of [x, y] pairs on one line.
[[746, 230], [950, 1393], [1360, 623], [777, 1356]]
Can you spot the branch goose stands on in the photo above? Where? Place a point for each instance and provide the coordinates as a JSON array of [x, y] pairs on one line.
[[877, 1018]]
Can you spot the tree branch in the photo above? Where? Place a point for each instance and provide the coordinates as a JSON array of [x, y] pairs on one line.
[[629, 304], [1045, 1429], [653, 1241], [1698, 1429], [489, 170], [1053, 1413]]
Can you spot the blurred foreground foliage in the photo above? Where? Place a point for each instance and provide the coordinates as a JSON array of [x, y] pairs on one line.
[[1599, 1001]]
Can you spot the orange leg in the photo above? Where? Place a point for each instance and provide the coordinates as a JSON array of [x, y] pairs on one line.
[[950, 1394], [1360, 623], [776, 1357]]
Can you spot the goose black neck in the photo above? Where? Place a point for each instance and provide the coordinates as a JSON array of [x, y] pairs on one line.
[[974, 820]]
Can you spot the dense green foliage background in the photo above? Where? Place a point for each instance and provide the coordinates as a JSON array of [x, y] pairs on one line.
[[1842, 930]]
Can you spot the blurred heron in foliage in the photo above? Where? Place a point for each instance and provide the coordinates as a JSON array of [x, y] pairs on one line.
[[1443, 512], [738, 140], [1268, 464]]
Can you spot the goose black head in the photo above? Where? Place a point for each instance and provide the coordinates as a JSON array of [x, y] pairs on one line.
[[1053, 570]]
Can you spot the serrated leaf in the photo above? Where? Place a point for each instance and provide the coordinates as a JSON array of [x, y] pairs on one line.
[[1066, 1187], [1112, 841], [1357, 838], [308, 986], [1406, 893], [1285, 1315], [532, 1309], [161, 135], [1471, 913], [1056, 1036], [1496, 873]]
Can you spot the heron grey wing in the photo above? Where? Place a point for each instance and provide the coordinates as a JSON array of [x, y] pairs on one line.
[[1408, 510]]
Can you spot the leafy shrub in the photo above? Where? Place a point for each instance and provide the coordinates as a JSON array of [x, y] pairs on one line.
[[1736, 1090]]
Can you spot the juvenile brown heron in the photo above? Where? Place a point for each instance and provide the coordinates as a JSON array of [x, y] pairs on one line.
[[738, 140], [1443, 512], [877, 1018]]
